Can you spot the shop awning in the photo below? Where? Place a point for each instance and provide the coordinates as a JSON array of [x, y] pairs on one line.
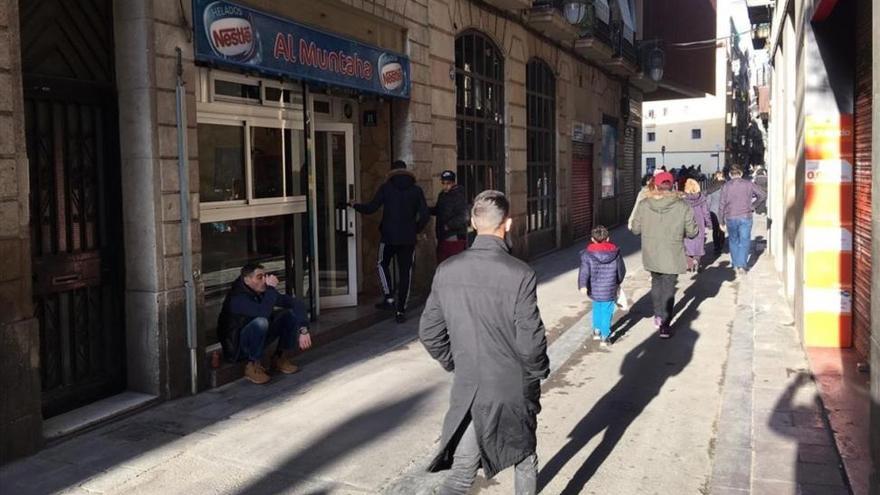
[[240, 38]]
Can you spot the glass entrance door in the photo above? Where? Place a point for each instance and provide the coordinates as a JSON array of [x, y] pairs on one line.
[[337, 242]]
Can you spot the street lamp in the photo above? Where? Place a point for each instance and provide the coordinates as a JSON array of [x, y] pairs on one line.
[[654, 64], [574, 11]]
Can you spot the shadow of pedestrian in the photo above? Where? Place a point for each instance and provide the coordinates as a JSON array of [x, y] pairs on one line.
[[759, 245], [644, 371], [356, 433], [640, 310], [707, 284], [818, 468]]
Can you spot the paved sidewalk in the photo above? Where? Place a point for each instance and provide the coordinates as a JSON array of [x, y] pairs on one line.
[[771, 413], [726, 406]]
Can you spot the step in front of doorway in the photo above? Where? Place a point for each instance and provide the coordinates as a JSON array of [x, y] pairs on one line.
[[85, 417]]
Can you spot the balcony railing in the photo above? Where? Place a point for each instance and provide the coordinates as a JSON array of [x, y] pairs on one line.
[[591, 18], [623, 47], [549, 17]]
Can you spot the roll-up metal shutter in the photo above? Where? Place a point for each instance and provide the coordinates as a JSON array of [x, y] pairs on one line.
[[862, 188], [581, 189], [628, 172]]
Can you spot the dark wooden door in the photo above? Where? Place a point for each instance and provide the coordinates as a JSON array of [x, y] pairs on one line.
[[76, 238]]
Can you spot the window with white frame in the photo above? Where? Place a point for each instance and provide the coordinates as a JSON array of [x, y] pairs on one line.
[[253, 178]]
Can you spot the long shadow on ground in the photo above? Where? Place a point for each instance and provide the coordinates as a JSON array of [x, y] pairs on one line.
[[358, 432], [644, 372]]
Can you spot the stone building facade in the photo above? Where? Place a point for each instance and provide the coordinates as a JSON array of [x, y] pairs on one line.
[[119, 260]]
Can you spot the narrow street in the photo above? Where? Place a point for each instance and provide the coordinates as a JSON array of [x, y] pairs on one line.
[[364, 414]]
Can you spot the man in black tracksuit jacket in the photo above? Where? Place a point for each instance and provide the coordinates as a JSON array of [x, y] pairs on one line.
[[404, 216]]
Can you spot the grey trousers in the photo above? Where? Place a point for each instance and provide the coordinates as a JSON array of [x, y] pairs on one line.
[[466, 462]]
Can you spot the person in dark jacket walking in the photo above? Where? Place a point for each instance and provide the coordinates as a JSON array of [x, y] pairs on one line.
[[696, 248], [451, 211], [735, 214], [602, 270], [404, 215], [481, 321], [664, 220], [249, 323]]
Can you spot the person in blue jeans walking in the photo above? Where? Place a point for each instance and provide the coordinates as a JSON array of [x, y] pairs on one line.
[[602, 270], [255, 315], [735, 209]]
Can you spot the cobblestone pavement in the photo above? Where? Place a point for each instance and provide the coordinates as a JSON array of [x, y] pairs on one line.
[[726, 406]]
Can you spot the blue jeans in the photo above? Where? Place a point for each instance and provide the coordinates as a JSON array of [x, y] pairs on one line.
[[603, 311], [261, 332], [739, 234]]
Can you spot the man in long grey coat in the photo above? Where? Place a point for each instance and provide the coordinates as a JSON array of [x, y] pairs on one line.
[[482, 323]]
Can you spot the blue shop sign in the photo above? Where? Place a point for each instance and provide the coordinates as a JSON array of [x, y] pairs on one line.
[[228, 34]]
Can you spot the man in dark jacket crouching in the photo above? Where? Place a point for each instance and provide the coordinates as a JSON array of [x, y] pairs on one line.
[[249, 323], [481, 321]]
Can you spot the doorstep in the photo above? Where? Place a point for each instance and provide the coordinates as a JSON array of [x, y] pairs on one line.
[[332, 325], [100, 412], [845, 394]]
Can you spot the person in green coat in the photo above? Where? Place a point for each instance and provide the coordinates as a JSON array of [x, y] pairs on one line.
[[664, 220]]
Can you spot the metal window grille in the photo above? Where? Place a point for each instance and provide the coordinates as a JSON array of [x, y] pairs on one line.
[[479, 108], [541, 146]]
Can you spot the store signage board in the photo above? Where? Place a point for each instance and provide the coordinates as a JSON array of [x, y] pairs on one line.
[[828, 229], [233, 36]]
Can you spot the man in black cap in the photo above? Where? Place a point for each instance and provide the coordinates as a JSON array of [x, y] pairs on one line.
[[451, 211], [404, 215]]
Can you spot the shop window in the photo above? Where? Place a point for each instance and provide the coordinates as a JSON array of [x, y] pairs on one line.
[[253, 181], [479, 86], [276, 162], [222, 163], [541, 146], [236, 91]]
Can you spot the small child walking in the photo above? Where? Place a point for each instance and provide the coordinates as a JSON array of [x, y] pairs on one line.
[[602, 270]]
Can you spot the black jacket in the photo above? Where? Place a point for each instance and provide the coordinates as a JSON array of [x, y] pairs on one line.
[[452, 214], [482, 322], [242, 305], [405, 211]]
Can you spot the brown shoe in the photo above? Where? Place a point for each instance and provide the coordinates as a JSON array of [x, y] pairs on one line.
[[256, 374], [284, 365]]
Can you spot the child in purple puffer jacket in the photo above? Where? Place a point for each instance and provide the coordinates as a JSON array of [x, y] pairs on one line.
[[602, 270]]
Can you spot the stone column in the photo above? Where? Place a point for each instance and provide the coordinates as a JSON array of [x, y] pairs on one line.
[[157, 357], [20, 416]]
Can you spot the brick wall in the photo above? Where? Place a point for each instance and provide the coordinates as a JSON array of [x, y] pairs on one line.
[[20, 417]]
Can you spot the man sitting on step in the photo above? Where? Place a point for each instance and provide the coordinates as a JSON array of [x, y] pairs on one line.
[[249, 323]]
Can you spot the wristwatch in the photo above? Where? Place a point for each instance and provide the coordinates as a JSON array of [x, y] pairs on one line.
[[303, 331]]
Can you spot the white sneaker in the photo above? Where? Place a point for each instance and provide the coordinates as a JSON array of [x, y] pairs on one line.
[[596, 335]]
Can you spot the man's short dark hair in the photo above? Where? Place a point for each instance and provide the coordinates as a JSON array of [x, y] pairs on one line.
[[249, 268], [398, 164], [600, 233], [490, 210]]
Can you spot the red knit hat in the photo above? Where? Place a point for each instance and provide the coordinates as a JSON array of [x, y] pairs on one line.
[[664, 177]]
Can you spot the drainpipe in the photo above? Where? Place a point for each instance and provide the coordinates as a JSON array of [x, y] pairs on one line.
[[185, 234]]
